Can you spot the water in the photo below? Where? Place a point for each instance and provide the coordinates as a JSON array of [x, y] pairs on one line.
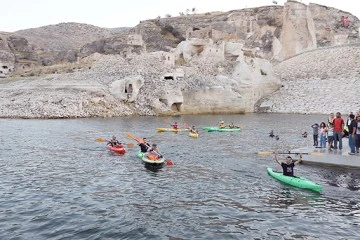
[[57, 182]]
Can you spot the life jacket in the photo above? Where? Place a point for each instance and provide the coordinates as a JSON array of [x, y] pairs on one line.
[[152, 157]]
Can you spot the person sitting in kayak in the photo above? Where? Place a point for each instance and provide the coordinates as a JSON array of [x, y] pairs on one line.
[[144, 146], [153, 153], [193, 130], [114, 142], [288, 166], [222, 124], [232, 125], [175, 126]]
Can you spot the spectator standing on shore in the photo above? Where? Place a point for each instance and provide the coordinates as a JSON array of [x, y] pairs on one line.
[[338, 130], [322, 132], [315, 128], [330, 135], [357, 136], [352, 131]]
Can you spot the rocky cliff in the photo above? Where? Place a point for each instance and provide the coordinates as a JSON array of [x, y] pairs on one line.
[[272, 32], [205, 63], [320, 81]]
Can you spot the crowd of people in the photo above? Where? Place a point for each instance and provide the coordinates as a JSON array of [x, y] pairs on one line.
[[335, 129]]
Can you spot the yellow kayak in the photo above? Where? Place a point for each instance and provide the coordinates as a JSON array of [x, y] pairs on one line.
[[193, 135], [172, 130]]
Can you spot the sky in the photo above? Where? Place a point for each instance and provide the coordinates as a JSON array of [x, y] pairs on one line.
[[23, 14]]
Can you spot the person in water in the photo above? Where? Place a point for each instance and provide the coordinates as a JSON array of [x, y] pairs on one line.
[[222, 124], [193, 130], [271, 134], [153, 152], [114, 142], [175, 126], [144, 146], [288, 165]]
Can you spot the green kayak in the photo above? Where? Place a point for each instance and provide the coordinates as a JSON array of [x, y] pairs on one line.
[[299, 182], [216, 129]]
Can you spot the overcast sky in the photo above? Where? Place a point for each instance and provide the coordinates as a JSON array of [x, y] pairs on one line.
[[24, 14]]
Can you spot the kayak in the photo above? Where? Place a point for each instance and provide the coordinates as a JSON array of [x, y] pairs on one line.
[[216, 129], [193, 135], [172, 130], [119, 149], [299, 182], [146, 160]]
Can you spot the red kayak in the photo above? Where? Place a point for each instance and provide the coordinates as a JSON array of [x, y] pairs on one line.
[[118, 149]]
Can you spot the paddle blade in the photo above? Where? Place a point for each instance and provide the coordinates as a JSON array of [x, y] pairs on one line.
[[130, 136], [186, 125], [315, 154], [240, 126], [101, 140], [129, 144], [166, 121], [265, 153], [169, 162]]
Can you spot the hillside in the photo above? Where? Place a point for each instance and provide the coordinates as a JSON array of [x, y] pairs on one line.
[[320, 81], [65, 36]]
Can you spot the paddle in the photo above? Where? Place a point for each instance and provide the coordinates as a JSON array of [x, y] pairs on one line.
[[310, 153], [104, 140], [186, 125], [139, 140]]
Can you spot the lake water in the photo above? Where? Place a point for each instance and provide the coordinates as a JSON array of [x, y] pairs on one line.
[[57, 182]]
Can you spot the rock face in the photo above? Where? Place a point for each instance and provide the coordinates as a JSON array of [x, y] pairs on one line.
[[140, 85], [273, 32], [208, 63], [319, 81]]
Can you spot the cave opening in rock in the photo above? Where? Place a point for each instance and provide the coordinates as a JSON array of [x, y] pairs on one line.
[[165, 101], [176, 107], [129, 89]]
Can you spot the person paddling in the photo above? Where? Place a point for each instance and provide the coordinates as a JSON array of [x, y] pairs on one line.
[[144, 146], [114, 142], [194, 130], [222, 124], [153, 152], [175, 126], [288, 165]]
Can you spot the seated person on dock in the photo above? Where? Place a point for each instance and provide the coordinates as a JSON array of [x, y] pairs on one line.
[[193, 130], [222, 124], [144, 146], [288, 166], [152, 153], [114, 142]]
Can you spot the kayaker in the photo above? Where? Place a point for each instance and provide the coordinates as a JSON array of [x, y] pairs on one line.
[[175, 125], [193, 130], [288, 165], [232, 125], [153, 152], [222, 124], [144, 146], [114, 142]]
